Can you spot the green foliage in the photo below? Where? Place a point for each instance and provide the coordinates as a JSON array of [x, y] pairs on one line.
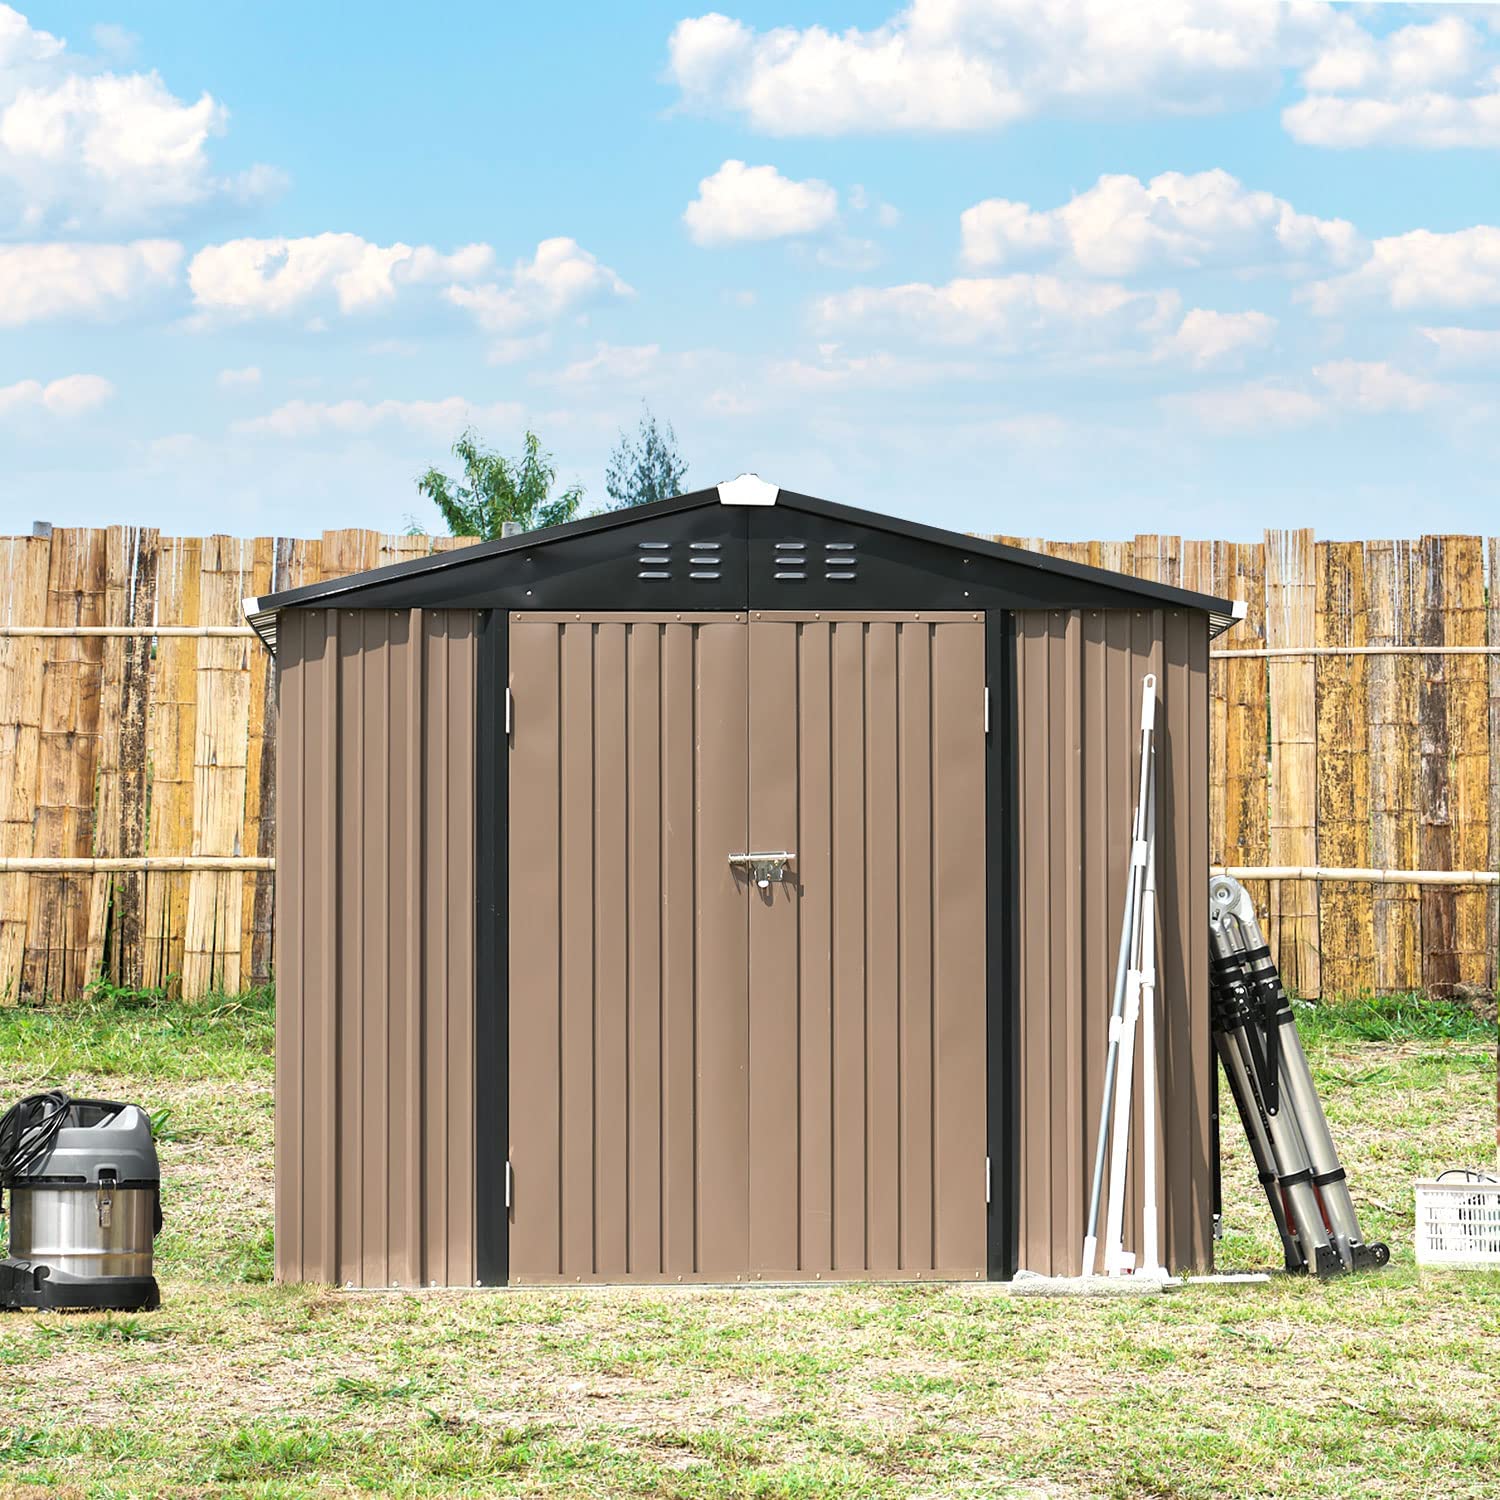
[[103, 991], [126, 1035], [112, 1330], [496, 489], [254, 1260], [645, 467], [1391, 1018]]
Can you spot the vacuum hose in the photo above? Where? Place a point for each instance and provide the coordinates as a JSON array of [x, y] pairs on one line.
[[28, 1130]]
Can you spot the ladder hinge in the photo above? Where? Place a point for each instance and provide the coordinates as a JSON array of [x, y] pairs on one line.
[[986, 710], [509, 713], [986, 1179], [510, 1182]]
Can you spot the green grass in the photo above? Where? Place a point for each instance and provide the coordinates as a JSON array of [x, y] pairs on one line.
[[1381, 1385]]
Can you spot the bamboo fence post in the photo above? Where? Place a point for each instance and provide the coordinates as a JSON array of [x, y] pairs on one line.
[[72, 667], [211, 949], [260, 778], [173, 733], [1492, 975], [24, 566], [121, 826], [1345, 912], [1201, 565], [1392, 688], [1467, 712], [1244, 838], [1434, 804], [1291, 605]]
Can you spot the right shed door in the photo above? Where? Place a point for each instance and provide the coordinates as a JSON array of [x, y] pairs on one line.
[[867, 967], [714, 1080]]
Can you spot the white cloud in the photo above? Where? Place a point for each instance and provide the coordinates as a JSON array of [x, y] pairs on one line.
[[560, 277], [273, 277], [1362, 387], [83, 149], [49, 281], [1374, 386], [1259, 407], [440, 418], [977, 64], [1122, 226], [1206, 338], [1420, 269], [238, 379], [835, 370], [69, 396], [757, 203], [611, 363], [1006, 314], [1435, 84], [1465, 346]]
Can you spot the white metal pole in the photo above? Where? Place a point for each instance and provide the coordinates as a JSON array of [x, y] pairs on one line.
[[1150, 1261], [1133, 883], [1123, 1028]]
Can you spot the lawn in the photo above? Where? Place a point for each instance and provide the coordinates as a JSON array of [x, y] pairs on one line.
[[1380, 1385]]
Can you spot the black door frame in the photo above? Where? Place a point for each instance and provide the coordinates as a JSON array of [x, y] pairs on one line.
[[492, 968]]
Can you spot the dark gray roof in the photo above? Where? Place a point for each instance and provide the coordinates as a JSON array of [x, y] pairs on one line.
[[582, 563]]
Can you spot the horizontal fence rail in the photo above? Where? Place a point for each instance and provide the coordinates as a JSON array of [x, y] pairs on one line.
[[1354, 732]]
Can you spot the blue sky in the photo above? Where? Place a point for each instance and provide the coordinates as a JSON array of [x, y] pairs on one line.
[[1072, 269]]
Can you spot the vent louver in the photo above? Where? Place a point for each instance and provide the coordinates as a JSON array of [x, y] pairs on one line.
[[790, 563], [653, 560], [703, 560], [840, 562]]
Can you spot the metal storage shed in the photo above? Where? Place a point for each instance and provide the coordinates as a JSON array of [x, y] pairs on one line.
[[535, 1024]]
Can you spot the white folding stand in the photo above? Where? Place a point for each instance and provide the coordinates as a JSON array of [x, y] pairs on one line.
[[1134, 991]]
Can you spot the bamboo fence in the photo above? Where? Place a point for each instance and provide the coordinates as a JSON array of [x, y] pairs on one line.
[[1354, 731]]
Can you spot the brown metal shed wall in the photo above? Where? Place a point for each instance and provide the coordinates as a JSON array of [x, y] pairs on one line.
[[1078, 689], [375, 981]]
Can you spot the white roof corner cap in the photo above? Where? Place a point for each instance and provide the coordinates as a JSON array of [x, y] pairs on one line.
[[1239, 610], [250, 606], [748, 489]]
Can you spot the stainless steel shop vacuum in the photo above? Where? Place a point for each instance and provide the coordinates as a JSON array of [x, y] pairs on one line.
[[84, 1192]]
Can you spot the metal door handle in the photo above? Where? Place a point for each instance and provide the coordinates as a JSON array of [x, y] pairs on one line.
[[763, 867]]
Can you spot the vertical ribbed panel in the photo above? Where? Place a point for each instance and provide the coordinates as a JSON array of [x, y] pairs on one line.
[[1078, 690], [714, 1082], [375, 981], [867, 761], [628, 967]]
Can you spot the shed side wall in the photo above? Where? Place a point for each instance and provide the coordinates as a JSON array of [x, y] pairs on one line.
[[1078, 691], [375, 981]]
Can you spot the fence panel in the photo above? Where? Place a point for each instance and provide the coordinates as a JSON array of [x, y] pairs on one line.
[[164, 746]]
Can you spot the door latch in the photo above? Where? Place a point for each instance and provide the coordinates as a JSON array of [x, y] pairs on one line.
[[763, 867]]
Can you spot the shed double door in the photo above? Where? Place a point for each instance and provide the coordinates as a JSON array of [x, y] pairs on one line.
[[714, 1080]]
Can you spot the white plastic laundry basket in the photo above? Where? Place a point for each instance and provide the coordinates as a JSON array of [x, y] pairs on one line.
[[1458, 1222]]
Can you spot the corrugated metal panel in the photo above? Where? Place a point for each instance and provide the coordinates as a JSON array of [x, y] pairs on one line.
[[708, 1081], [867, 1023], [628, 968], [1078, 691], [375, 982]]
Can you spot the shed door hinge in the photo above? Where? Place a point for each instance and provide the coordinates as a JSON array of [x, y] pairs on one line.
[[986, 710], [510, 716], [986, 1179], [510, 1182]]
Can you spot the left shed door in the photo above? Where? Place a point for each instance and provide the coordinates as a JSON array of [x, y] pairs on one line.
[[629, 992]]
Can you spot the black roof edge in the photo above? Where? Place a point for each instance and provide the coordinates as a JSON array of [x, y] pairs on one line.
[[261, 612], [352, 582], [1166, 593]]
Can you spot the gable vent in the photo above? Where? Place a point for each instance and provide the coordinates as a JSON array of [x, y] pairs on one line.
[[840, 562], [703, 560], [653, 559], [790, 562]]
